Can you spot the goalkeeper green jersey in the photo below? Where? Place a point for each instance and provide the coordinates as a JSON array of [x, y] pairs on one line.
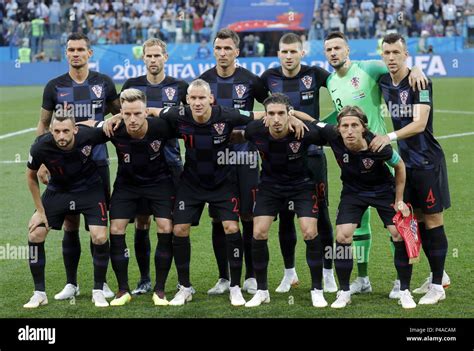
[[359, 87]]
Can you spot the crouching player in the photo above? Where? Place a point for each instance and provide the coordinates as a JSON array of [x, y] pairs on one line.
[[366, 181], [285, 184], [75, 188]]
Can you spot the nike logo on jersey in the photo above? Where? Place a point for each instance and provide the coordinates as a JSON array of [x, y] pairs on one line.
[[63, 94], [332, 91]]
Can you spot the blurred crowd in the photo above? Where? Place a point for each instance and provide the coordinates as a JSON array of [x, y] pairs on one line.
[[108, 22], [373, 19], [28, 23]]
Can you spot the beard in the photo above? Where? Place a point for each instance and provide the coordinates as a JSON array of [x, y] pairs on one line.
[[339, 65], [65, 142]]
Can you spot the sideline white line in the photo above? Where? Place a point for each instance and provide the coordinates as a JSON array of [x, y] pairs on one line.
[[454, 135], [182, 155], [454, 111], [23, 131]]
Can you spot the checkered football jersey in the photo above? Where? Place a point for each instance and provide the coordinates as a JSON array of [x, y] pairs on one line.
[[420, 151], [283, 160], [141, 161], [206, 142], [302, 89], [170, 92], [88, 100], [364, 172], [240, 90], [72, 170]]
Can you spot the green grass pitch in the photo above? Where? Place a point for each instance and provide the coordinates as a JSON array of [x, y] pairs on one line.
[[19, 109]]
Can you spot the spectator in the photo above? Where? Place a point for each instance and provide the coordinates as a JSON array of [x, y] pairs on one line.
[[335, 23], [352, 25], [187, 28], [145, 22], [133, 25], [318, 27], [198, 24], [37, 35], [450, 30], [11, 7], [449, 12], [438, 28], [428, 24], [250, 46], [380, 28], [368, 16], [422, 42], [203, 51], [54, 19], [114, 35], [110, 20], [24, 53], [41, 10], [436, 9], [98, 21]]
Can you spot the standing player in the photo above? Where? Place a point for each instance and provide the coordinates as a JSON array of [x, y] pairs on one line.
[[87, 95], [301, 84], [427, 180], [236, 87], [285, 181], [142, 175], [366, 181], [74, 188], [161, 91], [355, 83]]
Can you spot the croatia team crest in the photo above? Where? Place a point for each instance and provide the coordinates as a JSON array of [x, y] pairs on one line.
[[295, 146], [355, 82], [97, 90], [240, 90], [404, 96], [219, 127], [155, 145], [368, 162], [170, 93], [86, 150], [307, 80]]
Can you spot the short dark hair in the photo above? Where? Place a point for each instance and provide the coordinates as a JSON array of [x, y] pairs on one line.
[[290, 38], [352, 111], [227, 33], [80, 36], [63, 118], [334, 35], [278, 98], [392, 38]]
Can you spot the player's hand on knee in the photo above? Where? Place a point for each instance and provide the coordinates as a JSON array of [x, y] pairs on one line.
[[44, 175], [36, 220], [379, 142]]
